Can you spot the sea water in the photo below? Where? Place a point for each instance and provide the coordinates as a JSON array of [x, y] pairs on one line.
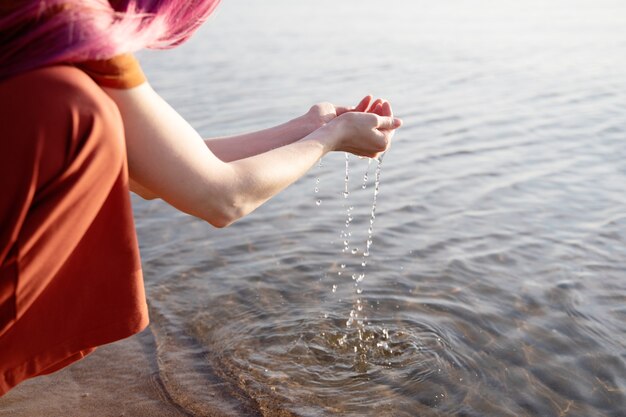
[[495, 282]]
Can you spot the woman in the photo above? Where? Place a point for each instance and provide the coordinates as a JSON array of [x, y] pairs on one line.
[[80, 127]]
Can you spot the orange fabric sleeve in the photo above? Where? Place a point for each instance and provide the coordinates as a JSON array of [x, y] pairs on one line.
[[122, 71]]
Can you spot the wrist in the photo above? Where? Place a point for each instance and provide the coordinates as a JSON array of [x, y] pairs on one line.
[[307, 124], [328, 137]]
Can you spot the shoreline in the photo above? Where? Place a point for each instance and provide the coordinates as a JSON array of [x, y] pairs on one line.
[[118, 379], [128, 378]]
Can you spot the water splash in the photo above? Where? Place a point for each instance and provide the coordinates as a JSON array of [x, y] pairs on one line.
[[356, 329]]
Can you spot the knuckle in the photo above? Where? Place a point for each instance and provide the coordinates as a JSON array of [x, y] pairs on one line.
[[383, 144]]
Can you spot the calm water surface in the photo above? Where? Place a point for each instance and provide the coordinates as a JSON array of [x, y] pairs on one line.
[[496, 281]]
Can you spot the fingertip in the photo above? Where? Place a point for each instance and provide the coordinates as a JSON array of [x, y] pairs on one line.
[[373, 107], [387, 107], [397, 122], [365, 103]]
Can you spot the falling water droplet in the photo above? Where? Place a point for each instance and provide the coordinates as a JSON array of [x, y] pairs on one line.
[[317, 183], [354, 251], [334, 288], [365, 176]]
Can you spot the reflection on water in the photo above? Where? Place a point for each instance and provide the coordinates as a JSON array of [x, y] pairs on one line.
[[495, 283]]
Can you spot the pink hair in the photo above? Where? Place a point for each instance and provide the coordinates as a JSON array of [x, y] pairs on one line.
[[36, 33]]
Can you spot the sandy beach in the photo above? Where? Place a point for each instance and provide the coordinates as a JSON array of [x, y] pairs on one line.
[[129, 378], [119, 379]]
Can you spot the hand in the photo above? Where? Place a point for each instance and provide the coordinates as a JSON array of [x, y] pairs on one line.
[[322, 113], [382, 108], [364, 134]]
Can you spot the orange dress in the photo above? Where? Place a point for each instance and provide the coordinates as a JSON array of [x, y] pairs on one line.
[[70, 273]]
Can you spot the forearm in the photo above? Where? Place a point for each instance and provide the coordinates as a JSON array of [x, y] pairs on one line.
[[167, 158], [264, 175], [232, 148]]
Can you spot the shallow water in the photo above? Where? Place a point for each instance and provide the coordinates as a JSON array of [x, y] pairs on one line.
[[495, 284]]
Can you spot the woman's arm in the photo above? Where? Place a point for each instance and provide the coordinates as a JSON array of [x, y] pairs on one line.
[[232, 148], [167, 157]]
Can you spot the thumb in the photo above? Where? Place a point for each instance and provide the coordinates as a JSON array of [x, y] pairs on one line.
[[388, 122]]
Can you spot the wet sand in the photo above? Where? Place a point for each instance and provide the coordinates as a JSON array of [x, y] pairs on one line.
[[119, 379], [130, 378]]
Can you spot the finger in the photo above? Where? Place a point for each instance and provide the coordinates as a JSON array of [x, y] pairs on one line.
[[386, 122], [364, 104], [386, 109], [341, 110], [369, 105], [378, 110], [374, 104]]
